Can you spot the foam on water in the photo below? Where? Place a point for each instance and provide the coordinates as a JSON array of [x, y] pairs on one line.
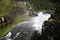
[[8, 35], [39, 20]]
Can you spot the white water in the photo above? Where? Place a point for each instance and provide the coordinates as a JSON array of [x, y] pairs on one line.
[[39, 20], [8, 35]]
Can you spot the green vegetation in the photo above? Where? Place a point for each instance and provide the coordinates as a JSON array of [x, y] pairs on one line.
[[10, 26], [41, 4], [37, 5], [5, 6]]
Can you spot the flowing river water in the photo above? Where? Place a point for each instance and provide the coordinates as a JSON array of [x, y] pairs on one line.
[[24, 30]]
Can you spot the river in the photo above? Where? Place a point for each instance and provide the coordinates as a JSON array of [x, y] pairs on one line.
[[24, 30]]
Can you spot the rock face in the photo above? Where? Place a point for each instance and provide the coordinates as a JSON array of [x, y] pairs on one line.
[[51, 29], [48, 31]]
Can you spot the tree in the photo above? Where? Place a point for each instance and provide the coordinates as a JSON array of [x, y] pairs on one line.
[[41, 4]]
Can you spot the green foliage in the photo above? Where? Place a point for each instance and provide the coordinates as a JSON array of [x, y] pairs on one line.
[[57, 6], [10, 26], [41, 4], [5, 7]]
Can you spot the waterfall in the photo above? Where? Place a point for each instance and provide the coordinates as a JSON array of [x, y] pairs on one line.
[[39, 20], [37, 23]]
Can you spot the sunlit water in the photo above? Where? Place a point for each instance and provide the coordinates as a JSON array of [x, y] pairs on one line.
[[38, 22]]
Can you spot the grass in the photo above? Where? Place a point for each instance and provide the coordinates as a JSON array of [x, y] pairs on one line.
[[10, 26]]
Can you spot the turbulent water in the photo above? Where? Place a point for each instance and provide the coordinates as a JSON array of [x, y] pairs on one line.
[[37, 25], [39, 20]]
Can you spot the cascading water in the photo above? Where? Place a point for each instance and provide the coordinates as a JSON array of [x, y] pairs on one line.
[[39, 20], [37, 24]]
